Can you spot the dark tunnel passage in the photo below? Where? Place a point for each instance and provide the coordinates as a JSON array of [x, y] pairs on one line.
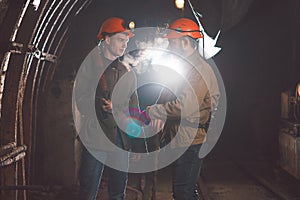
[[42, 48]]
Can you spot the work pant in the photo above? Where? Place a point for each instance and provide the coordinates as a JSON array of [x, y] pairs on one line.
[[91, 170], [186, 172]]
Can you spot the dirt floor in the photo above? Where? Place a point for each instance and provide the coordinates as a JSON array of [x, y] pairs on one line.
[[222, 178]]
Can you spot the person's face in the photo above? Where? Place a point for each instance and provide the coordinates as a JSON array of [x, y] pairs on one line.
[[116, 44], [176, 45]]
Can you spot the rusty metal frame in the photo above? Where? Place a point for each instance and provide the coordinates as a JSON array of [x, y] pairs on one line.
[[27, 78]]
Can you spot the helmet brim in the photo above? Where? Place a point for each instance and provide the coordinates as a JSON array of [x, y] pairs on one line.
[[174, 34]]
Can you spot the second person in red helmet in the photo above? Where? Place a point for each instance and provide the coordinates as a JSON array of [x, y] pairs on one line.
[[188, 113]]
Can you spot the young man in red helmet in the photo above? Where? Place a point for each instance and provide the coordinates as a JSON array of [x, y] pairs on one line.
[[99, 73], [186, 124]]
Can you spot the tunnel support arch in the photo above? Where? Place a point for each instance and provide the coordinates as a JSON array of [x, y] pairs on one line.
[[31, 42]]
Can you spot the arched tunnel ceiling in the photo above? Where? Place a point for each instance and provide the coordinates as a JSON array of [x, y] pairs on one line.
[[217, 14]]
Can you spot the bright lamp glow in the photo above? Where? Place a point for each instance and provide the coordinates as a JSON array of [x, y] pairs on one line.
[[179, 4], [131, 25], [167, 60], [36, 4]]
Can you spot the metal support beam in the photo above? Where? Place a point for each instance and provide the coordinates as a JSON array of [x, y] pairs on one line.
[[18, 48]]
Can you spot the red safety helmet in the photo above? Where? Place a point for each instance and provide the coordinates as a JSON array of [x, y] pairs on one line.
[[113, 25], [184, 27]]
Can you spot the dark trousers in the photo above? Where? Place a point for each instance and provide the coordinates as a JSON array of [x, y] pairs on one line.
[[186, 172], [90, 174]]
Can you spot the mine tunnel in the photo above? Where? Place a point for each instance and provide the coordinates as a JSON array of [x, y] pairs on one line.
[[43, 43]]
